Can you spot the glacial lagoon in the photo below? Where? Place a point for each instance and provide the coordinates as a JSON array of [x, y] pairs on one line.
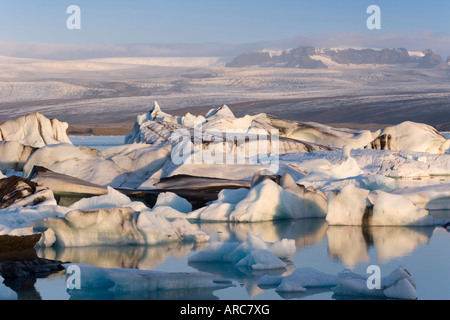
[[423, 251]]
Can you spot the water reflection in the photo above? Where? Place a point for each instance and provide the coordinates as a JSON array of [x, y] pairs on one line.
[[347, 245], [129, 257], [350, 244]]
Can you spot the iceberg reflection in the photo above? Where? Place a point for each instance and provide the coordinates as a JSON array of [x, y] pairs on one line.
[[350, 244]]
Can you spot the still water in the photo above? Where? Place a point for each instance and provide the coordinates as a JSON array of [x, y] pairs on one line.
[[331, 249]]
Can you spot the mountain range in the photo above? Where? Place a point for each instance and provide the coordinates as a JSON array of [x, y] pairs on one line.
[[308, 57]]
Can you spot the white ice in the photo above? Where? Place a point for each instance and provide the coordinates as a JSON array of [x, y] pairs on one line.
[[397, 285], [253, 253], [34, 130], [131, 280]]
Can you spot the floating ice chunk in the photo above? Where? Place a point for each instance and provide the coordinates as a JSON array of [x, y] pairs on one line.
[[434, 197], [120, 225], [397, 285], [323, 170], [35, 130], [259, 259], [170, 199], [105, 226], [157, 229], [302, 202], [14, 155], [402, 289], [220, 209], [20, 192], [114, 198], [396, 210], [189, 232], [347, 207], [263, 203], [411, 136], [355, 206], [303, 278], [70, 160], [253, 253], [17, 218], [314, 132], [131, 280]]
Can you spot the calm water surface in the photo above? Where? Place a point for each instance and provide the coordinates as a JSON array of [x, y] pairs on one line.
[[331, 249]]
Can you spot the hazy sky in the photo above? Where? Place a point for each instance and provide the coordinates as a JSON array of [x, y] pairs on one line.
[[219, 21]]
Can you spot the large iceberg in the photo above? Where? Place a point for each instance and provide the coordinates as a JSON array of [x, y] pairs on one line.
[[264, 201], [114, 219], [411, 136], [128, 165], [34, 130], [355, 206], [405, 136]]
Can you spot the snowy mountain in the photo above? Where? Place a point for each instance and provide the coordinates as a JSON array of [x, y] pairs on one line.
[[308, 57]]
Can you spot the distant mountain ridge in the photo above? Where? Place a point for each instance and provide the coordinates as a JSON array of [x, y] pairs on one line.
[[307, 57]]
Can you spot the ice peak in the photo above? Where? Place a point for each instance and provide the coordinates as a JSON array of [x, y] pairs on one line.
[[222, 112]]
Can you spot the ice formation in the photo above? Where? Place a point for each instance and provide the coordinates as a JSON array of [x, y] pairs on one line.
[[14, 155], [303, 278], [34, 130], [397, 285], [139, 281], [157, 126], [354, 206], [113, 219], [19, 192], [253, 253], [411, 136]]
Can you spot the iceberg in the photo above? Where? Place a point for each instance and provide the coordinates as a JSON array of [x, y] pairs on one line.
[[313, 132], [396, 210], [19, 192], [304, 278], [14, 155], [434, 197], [347, 206], [253, 253], [397, 285], [34, 130], [411, 136], [113, 198], [131, 281], [355, 206], [113, 219]]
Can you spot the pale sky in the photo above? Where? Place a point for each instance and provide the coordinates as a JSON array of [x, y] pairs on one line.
[[226, 22]]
